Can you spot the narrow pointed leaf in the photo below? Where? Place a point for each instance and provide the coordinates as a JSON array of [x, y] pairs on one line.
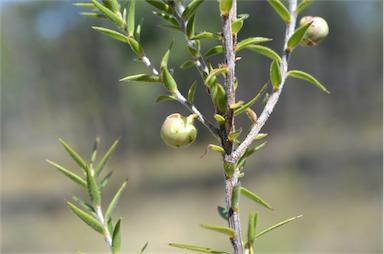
[[252, 196], [168, 81], [162, 98], [277, 226], [177, 28], [131, 18], [223, 212], [136, 47], [225, 7], [84, 204], [251, 102], [302, 5], [191, 92], [111, 33], [77, 179], [169, 18], [94, 152], [215, 148], [92, 14], [114, 201], [261, 135], [110, 226], [187, 64], [190, 9], [160, 6], [233, 135], [280, 8], [88, 219], [93, 190], [138, 30], [109, 14], [215, 50], [206, 35], [196, 248], [255, 149], [213, 75], [307, 77], [142, 78], [190, 29], [235, 201], [221, 229], [296, 37], [86, 5], [275, 75], [104, 160], [252, 223], [76, 157], [164, 61], [104, 181], [265, 51], [116, 238], [250, 41], [236, 105], [238, 23], [219, 118]]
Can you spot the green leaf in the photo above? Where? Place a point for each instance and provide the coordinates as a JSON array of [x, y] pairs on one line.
[[131, 19], [235, 201], [113, 5], [136, 47], [302, 5], [194, 51], [190, 9], [169, 82], [92, 222], [86, 5], [252, 223], [196, 248], [238, 23], [190, 28], [160, 6], [109, 14], [223, 212], [251, 102], [219, 98], [307, 77], [77, 158], [191, 92], [77, 179], [250, 41], [219, 118], [104, 181], [114, 201], [162, 98], [164, 61], [260, 136], [92, 14], [93, 190], [275, 75], [225, 7], [281, 10], [206, 35], [277, 225], [296, 37], [255, 149], [94, 152], [212, 75], [215, 50], [221, 229], [265, 51], [252, 196], [142, 78], [84, 204], [116, 238], [233, 135], [169, 18], [143, 249], [104, 160], [111, 33], [138, 30], [187, 64]]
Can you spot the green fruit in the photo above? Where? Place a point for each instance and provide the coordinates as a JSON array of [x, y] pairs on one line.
[[316, 32], [178, 131]]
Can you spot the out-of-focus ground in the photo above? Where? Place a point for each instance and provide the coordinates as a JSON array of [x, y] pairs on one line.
[[323, 159]]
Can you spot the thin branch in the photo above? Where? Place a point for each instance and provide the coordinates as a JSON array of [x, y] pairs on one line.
[[275, 95]]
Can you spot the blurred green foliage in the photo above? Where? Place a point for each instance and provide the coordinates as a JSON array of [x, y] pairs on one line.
[[60, 78]]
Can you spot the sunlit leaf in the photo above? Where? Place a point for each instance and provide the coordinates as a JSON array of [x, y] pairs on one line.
[[109, 14], [75, 156], [196, 248], [206, 35], [235, 201], [111, 33], [296, 37], [160, 6], [275, 75], [114, 201], [191, 92], [190, 9], [251, 102], [265, 51], [77, 179], [213, 74], [281, 10], [84, 204], [252, 223], [88, 219], [276, 226], [250, 41], [131, 18], [190, 29], [167, 97], [104, 181], [116, 238], [142, 78], [169, 18], [252, 196], [221, 229], [93, 190], [187, 64], [233, 135], [255, 149], [302, 5], [103, 161], [215, 50], [307, 77]]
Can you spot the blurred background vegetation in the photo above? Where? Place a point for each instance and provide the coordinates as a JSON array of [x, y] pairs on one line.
[[59, 78]]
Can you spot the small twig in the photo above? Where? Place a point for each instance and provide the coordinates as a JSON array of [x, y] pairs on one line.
[[275, 95]]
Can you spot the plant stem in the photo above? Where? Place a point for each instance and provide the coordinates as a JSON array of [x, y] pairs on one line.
[[275, 95]]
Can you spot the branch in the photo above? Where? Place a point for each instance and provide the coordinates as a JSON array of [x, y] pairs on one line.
[[275, 95]]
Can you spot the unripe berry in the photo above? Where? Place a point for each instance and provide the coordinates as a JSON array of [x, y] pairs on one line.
[[316, 32], [178, 131]]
